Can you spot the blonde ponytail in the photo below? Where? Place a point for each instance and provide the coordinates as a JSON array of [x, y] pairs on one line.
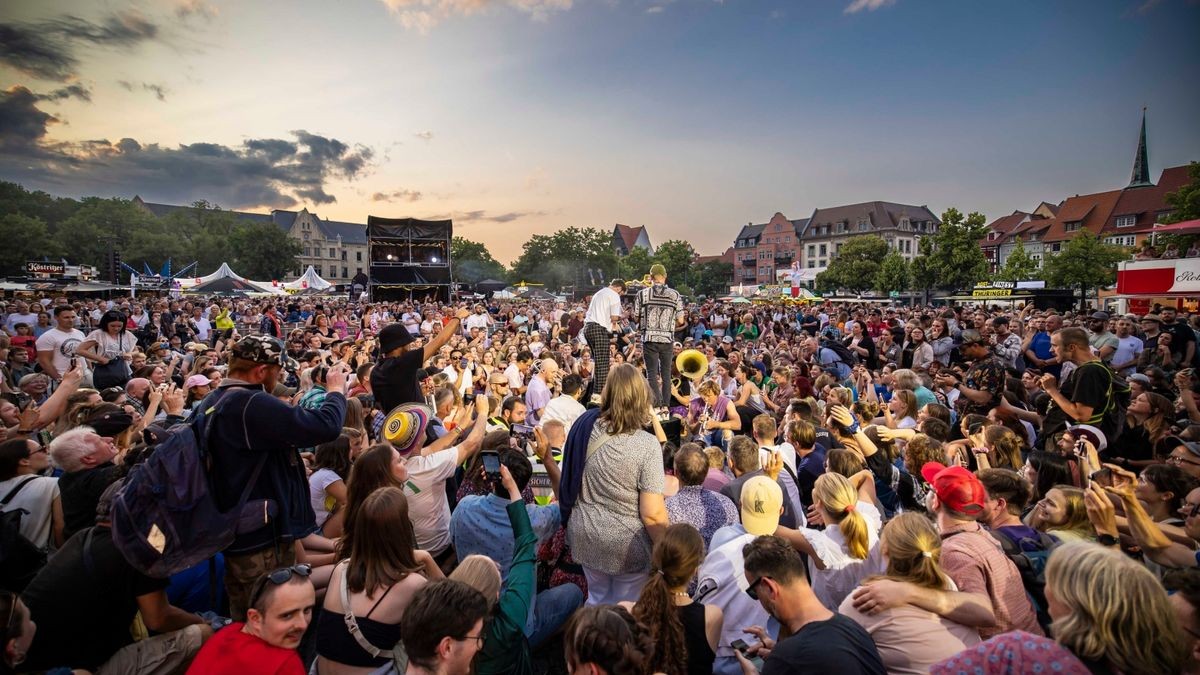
[[840, 502]]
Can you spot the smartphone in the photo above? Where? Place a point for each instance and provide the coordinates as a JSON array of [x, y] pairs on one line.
[[742, 647], [491, 465]]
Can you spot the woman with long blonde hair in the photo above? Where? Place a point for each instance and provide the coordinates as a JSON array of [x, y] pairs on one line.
[[847, 550], [1109, 615], [911, 639], [615, 504]]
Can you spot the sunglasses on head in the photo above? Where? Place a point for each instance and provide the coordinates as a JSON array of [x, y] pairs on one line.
[[279, 577]]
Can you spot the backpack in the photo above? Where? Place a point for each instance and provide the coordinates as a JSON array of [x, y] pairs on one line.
[[1032, 566], [1119, 395], [164, 518], [20, 560], [843, 352]]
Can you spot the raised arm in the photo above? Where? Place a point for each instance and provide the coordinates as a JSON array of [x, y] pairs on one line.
[[471, 444], [447, 332]]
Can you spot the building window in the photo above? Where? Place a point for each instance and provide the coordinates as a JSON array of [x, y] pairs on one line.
[[1124, 240], [1072, 227], [307, 251], [812, 250], [1126, 221], [822, 250], [1056, 247], [812, 264], [333, 253], [358, 257], [305, 236], [344, 253], [345, 272], [317, 269]]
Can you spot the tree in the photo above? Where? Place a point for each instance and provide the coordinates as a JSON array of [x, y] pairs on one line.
[[957, 257], [636, 264], [1018, 266], [712, 278], [98, 224], [677, 256], [893, 274], [262, 250], [922, 271], [856, 265], [1086, 263], [25, 238], [473, 262], [565, 257]]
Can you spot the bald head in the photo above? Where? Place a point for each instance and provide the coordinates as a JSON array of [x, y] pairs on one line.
[[137, 387]]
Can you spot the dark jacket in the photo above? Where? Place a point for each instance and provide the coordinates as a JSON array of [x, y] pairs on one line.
[[256, 422], [574, 459]]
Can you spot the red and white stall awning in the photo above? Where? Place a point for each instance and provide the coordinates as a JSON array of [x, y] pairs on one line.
[[1159, 278]]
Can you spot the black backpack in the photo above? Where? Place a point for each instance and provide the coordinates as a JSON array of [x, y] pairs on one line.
[[20, 560], [843, 352], [1032, 566]]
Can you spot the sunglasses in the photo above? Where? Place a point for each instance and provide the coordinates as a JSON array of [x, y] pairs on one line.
[[279, 577], [1192, 510], [752, 591], [1177, 460]]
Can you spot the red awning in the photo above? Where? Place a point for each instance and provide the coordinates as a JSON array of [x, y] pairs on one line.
[[1186, 227], [1161, 278]]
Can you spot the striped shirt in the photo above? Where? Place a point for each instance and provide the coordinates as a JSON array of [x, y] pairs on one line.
[[975, 562]]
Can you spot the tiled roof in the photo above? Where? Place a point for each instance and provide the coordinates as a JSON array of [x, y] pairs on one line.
[[752, 231], [163, 210], [727, 256], [883, 215], [1004, 226], [629, 235], [1090, 211], [1145, 203]]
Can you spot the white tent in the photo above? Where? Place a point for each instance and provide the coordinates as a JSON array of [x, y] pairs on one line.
[[310, 279], [225, 280]]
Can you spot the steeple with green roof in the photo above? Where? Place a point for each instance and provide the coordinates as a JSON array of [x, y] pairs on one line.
[[1141, 162]]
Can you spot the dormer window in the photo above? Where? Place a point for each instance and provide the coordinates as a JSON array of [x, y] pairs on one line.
[[1072, 226], [1126, 221]]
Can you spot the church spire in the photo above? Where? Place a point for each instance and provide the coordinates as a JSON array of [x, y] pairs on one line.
[[1141, 162]]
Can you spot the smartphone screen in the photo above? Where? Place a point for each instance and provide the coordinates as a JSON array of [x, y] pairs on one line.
[[491, 463]]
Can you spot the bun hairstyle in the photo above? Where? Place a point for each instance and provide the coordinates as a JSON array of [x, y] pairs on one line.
[[839, 500], [608, 636], [673, 563]]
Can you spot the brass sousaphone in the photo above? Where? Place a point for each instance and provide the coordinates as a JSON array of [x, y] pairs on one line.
[[692, 364]]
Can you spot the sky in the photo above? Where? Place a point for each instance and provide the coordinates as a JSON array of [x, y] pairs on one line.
[[514, 117]]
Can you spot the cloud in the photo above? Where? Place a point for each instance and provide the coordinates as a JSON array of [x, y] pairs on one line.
[[70, 91], [159, 91], [424, 135], [270, 172], [397, 196], [47, 49], [869, 5], [483, 216], [22, 124], [423, 15], [655, 9], [189, 8]]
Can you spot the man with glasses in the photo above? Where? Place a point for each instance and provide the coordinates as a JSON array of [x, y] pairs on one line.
[[56, 347], [819, 640], [1186, 456], [281, 604], [442, 629]]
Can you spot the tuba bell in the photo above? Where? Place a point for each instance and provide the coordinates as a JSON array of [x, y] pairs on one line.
[[692, 364]]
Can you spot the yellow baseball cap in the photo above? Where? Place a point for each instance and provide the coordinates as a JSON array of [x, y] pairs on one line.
[[762, 502]]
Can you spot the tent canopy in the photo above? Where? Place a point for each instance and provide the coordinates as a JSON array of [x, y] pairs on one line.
[[309, 280], [1186, 227], [225, 280]]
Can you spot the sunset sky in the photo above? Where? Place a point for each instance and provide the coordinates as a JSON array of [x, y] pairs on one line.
[[691, 117]]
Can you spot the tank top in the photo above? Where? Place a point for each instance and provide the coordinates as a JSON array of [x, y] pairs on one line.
[[700, 656]]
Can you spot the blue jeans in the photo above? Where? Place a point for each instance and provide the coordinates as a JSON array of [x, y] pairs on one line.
[[551, 609]]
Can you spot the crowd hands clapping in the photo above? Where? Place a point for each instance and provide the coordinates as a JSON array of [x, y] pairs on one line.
[[509, 486]]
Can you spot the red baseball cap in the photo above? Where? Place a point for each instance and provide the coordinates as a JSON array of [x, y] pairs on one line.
[[955, 487]]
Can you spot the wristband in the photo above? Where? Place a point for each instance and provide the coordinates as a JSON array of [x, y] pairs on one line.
[[1107, 540]]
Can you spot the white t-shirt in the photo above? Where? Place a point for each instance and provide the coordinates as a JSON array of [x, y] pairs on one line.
[[14, 319], [38, 499], [785, 450], [515, 379], [112, 347], [63, 344], [427, 506], [605, 305], [1128, 349], [722, 582], [479, 321], [843, 572], [322, 503], [564, 409], [203, 327]]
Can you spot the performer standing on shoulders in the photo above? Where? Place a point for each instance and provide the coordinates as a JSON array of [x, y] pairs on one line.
[[598, 326], [659, 309]]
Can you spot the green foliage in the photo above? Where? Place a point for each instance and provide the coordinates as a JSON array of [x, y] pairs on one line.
[[1185, 202], [1018, 266], [957, 259], [856, 265], [473, 262], [262, 251], [1085, 263], [712, 278], [637, 264], [893, 274], [677, 256], [563, 259], [921, 270], [25, 238]]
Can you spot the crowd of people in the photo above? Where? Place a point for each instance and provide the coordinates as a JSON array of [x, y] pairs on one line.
[[536, 486]]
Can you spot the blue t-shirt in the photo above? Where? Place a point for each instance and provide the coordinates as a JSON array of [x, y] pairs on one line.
[[1040, 346]]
